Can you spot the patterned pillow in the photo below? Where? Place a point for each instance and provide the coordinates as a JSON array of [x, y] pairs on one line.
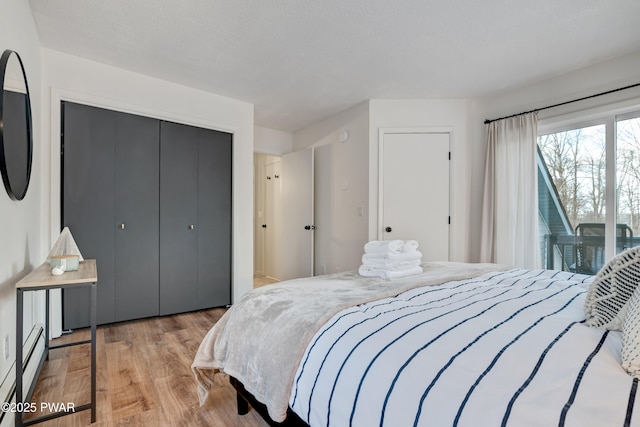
[[606, 303], [631, 336]]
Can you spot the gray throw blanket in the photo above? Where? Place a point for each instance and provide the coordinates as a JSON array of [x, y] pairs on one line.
[[262, 338]]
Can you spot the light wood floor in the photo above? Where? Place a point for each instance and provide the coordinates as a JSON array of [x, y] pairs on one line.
[[144, 376], [260, 280]]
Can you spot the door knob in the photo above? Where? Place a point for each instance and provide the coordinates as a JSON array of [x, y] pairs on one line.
[[264, 225], [307, 227], [191, 226], [388, 229], [121, 226]]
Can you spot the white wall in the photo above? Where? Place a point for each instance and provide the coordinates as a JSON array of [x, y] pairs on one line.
[[580, 83], [438, 114], [67, 77], [20, 235], [342, 187], [466, 117], [271, 141], [356, 167]]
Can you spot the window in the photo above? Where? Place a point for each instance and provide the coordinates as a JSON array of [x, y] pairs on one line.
[[589, 192], [628, 173]]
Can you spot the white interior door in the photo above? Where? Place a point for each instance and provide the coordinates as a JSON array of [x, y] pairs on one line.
[[259, 218], [272, 213], [296, 248], [414, 191]]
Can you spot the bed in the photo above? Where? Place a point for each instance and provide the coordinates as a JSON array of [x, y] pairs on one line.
[[460, 344]]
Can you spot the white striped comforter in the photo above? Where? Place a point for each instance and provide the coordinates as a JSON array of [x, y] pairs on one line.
[[503, 349]]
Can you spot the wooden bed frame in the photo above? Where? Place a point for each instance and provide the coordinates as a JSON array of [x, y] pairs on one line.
[[244, 399]]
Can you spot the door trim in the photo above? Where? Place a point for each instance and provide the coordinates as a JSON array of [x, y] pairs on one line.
[[406, 130]]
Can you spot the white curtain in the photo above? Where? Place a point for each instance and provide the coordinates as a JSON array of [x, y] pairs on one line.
[[510, 201]]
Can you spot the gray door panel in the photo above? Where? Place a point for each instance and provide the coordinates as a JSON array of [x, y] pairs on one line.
[[178, 218], [214, 218], [88, 205], [137, 218]]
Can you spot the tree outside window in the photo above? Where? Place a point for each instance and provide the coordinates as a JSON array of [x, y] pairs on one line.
[[575, 161]]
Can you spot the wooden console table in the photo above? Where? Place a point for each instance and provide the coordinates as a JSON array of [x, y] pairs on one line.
[[42, 279]]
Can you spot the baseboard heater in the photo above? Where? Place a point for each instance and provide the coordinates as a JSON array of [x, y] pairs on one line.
[[31, 365]]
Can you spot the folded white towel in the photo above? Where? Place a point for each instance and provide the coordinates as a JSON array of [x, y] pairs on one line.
[[393, 261], [382, 246], [368, 271], [392, 265], [410, 245], [391, 256]]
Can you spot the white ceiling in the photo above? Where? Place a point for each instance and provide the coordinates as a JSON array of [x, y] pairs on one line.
[[299, 61]]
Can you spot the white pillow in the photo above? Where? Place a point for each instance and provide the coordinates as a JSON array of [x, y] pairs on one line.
[[631, 336], [608, 295]]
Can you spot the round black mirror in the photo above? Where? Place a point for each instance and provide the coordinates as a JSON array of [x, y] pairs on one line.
[[16, 141]]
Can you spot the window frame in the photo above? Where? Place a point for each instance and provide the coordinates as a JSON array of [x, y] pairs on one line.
[[607, 115]]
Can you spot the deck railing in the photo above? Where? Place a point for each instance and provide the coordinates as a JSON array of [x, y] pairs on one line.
[[579, 254]]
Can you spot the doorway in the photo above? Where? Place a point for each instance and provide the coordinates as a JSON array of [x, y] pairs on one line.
[[266, 218]]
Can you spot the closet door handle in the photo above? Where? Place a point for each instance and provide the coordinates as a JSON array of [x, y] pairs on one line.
[[388, 229], [121, 226], [191, 227]]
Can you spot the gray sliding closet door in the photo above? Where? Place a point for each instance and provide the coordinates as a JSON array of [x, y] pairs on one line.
[[110, 204], [195, 218], [151, 202], [136, 217], [214, 218], [178, 218], [88, 206]]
